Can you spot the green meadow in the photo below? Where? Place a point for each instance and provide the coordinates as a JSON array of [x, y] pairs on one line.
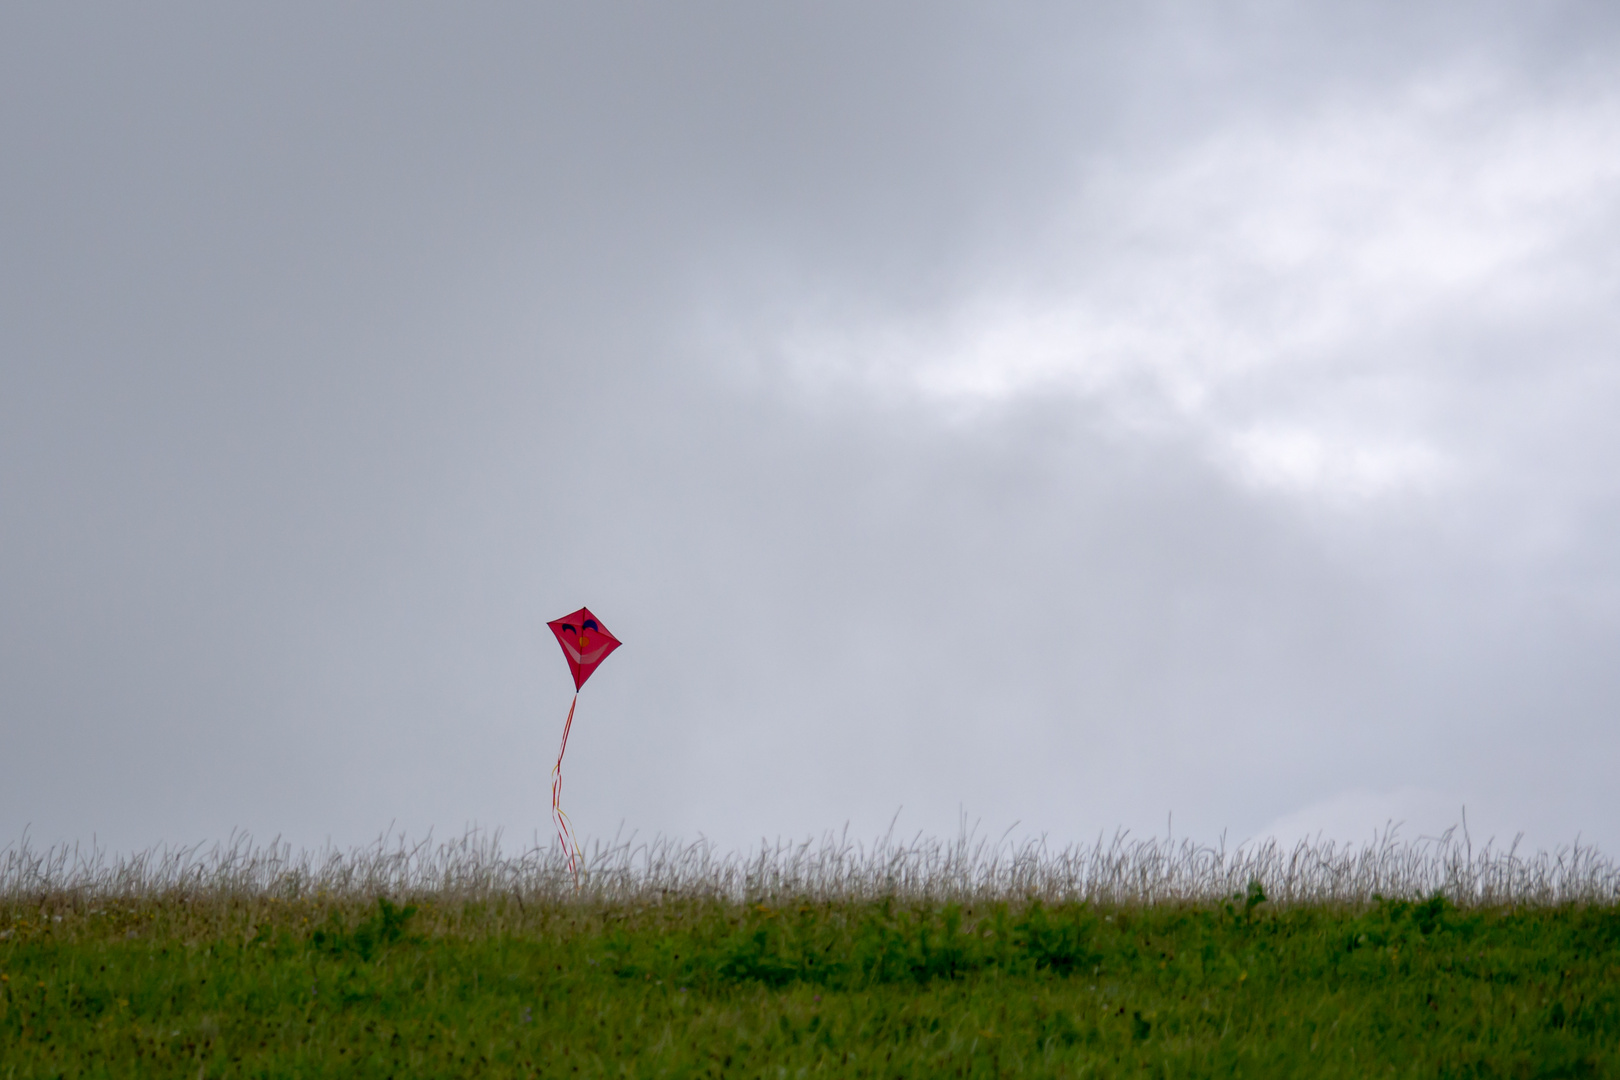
[[255, 986]]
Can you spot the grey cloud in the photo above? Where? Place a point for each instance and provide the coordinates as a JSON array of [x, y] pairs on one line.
[[340, 350]]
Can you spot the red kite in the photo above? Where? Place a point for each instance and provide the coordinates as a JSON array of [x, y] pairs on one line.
[[585, 644]]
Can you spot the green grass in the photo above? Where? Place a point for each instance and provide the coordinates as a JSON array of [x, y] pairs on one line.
[[256, 987]]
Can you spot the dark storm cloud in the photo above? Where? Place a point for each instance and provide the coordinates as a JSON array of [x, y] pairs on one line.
[[1069, 415]]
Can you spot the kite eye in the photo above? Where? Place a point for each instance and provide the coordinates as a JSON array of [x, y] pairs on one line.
[[590, 624], [570, 628]]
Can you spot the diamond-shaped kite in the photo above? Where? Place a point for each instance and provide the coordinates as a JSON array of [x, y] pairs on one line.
[[585, 644]]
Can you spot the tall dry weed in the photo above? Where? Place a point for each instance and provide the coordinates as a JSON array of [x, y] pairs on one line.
[[1122, 870]]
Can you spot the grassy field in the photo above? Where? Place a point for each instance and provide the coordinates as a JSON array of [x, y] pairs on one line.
[[222, 985]]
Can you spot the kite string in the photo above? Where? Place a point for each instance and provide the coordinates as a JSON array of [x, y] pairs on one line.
[[565, 831]]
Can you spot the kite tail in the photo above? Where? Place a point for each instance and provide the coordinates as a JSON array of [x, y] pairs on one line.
[[565, 831]]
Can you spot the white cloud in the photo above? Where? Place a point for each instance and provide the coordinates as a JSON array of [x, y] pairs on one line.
[[1302, 460], [1299, 295], [1358, 815]]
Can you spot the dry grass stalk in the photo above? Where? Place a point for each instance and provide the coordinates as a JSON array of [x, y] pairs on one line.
[[1118, 871]]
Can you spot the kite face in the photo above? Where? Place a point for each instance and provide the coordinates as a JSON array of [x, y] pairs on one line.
[[585, 643]]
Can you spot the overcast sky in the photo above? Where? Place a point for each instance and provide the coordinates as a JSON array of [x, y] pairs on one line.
[[1066, 415]]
